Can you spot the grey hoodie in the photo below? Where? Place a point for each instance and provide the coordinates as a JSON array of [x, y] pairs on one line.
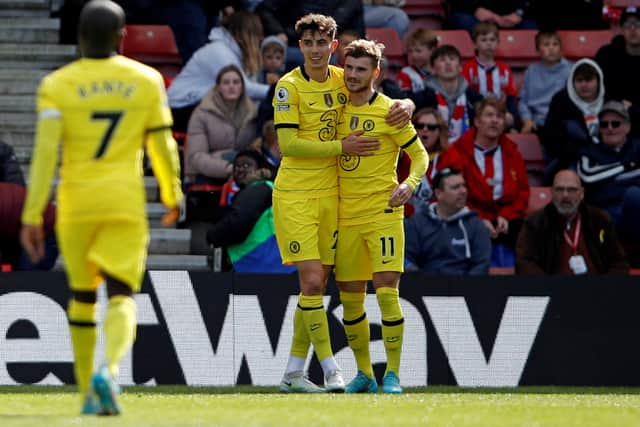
[[455, 246]]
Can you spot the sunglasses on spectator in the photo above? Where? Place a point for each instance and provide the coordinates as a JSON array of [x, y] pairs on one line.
[[428, 126], [615, 124]]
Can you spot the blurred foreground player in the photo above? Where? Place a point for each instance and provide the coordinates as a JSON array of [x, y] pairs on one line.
[[102, 109]]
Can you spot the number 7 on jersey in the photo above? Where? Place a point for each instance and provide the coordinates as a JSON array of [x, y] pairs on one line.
[[114, 118]]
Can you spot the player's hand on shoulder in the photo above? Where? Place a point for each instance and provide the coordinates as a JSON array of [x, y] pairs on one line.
[[32, 240], [400, 195], [357, 145], [400, 113]]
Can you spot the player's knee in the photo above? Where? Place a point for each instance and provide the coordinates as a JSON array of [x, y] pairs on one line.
[[386, 279], [116, 287], [87, 297]]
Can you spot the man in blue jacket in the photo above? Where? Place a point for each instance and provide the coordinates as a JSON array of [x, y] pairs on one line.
[[445, 237]]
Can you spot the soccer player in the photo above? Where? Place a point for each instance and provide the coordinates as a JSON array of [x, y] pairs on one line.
[[370, 217], [102, 109], [308, 103]]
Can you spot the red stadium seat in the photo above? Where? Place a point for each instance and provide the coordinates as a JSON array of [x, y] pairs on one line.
[[531, 150], [583, 44], [394, 50], [622, 4], [426, 22], [458, 38], [424, 7], [539, 197], [517, 48], [153, 45], [502, 271]]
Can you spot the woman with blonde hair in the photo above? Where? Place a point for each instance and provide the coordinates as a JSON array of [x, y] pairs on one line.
[[237, 42], [221, 125]]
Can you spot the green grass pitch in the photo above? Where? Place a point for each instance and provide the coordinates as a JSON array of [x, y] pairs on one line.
[[254, 406]]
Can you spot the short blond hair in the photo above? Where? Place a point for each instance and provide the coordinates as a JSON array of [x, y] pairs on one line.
[[365, 48]]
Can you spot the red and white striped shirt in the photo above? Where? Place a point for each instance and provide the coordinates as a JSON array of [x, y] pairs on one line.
[[496, 80]]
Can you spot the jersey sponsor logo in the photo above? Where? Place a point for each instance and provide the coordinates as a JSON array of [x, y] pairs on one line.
[[330, 120], [282, 94], [342, 98], [328, 100], [368, 125], [353, 124], [294, 247], [348, 162]]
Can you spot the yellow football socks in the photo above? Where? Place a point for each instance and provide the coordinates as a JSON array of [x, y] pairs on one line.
[[82, 326], [392, 326], [317, 325], [300, 342], [119, 329], [356, 327]]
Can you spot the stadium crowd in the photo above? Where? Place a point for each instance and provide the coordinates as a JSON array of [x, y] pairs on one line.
[[469, 114]]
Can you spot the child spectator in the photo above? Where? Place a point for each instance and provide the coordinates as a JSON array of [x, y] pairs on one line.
[[488, 76], [420, 46], [273, 51], [542, 80], [449, 92]]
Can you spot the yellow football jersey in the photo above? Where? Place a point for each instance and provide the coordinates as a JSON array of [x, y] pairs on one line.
[[366, 183], [106, 108], [314, 109]]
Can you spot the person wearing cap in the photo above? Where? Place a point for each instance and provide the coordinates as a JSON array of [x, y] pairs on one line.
[[611, 170], [446, 237], [274, 56], [620, 63], [246, 230], [568, 236]]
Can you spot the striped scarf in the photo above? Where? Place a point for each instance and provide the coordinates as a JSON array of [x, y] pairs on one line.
[[459, 120]]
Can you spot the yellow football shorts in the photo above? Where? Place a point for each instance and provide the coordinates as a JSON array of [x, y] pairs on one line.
[[306, 229], [369, 248], [92, 248]]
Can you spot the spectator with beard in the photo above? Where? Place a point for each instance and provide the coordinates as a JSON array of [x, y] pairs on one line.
[[568, 236]]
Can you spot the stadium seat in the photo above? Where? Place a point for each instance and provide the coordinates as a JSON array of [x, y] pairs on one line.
[[426, 22], [502, 271], [394, 50], [531, 150], [424, 8], [539, 197], [458, 38], [517, 48], [583, 44], [621, 4], [153, 45]]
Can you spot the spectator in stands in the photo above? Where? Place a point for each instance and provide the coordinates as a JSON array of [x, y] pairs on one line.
[[279, 18], [387, 85], [236, 42], [494, 171], [552, 15], [449, 92], [386, 14], [620, 63], [344, 38], [487, 76], [465, 14], [432, 130], [246, 231], [572, 119], [568, 236], [420, 46], [541, 81], [611, 170], [273, 51], [12, 195], [445, 237], [10, 170], [223, 124]]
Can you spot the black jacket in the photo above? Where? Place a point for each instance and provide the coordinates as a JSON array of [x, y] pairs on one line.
[[280, 16], [9, 167], [621, 72], [565, 131], [542, 234]]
